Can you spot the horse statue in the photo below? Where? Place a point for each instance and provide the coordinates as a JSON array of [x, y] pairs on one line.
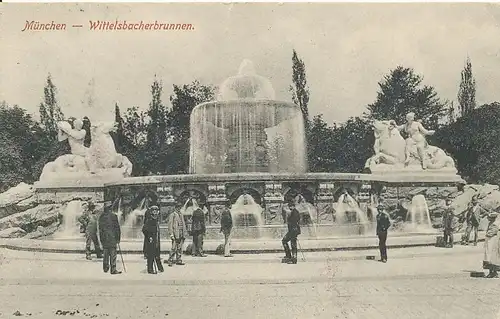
[[390, 147], [99, 160], [102, 154]]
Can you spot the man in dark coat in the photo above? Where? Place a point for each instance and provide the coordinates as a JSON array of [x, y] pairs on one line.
[[198, 231], [151, 231], [383, 224], [147, 215], [291, 236], [109, 231], [226, 225], [448, 224]]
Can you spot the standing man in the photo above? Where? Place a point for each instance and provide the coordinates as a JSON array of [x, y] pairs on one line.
[[226, 225], [473, 217], [291, 236], [147, 215], [198, 230], [448, 224], [383, 224], [89, 219], [109, 231], [178, 231], [151, 231]]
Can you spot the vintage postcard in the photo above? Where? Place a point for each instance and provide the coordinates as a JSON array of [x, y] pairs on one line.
[[250, 160]]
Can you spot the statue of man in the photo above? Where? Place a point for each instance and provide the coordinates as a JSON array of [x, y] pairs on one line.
[[416, 137], [75, 136]]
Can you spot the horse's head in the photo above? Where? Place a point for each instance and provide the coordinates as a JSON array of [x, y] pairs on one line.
[[103, 128], [381, 127]]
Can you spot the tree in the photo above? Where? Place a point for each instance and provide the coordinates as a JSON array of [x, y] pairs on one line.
[[21, 150], [50, 112], [119, 135], [321, 146], [156, 131], [157, 128], [183, 100], [133, 144], [135, 126], [88, 135], [402, 92], [299, 89], [472, 141], [353, 145], [467, 90]]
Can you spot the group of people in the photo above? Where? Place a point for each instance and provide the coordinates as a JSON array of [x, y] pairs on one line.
[[106, 227], [472, 218], [110, 234]]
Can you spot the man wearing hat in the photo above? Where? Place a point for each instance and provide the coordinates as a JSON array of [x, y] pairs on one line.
[[448, 224], [177, 230], [198, 230], [473, 217], [226, 225], [383, 224], [147, 216], [491, 259], [89, 221], [291, 236], [109, 231], [151, 231]]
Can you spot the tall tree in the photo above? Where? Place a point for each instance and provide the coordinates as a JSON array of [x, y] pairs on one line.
[[134, 137], [299, 88], [135, 126], [321, 146], [402, 92], [50, 112], [88, 136], [472, 141], [157, 128], [21, 149], [183, 100], [467, 90], [119, 135]]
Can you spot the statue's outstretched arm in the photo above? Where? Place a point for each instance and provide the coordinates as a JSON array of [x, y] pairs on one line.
[[398, 127], [424, 131]]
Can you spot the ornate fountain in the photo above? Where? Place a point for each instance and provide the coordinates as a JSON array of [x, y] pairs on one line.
[[247, 130], [248, 149]]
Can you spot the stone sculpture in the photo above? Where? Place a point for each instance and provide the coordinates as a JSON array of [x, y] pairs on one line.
[[99, 160], [393, 152]]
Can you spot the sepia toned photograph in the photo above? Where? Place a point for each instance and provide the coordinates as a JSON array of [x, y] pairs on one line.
[[250, 160]]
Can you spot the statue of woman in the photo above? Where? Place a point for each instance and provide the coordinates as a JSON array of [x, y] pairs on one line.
[[416, 137]]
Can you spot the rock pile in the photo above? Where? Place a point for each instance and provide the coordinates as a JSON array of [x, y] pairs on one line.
[[21, 215]]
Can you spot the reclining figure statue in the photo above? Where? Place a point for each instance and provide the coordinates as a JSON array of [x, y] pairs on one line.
[[392, 151]]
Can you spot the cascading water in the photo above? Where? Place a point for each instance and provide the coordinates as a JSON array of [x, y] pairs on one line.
[[420, 215], [246, 212], [347, 207], [307, 209], [70, 226], [132, 220], [189, 207], [119, 211], [246, 130]]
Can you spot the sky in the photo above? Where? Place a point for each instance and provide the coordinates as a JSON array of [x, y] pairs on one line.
[[347, 49]]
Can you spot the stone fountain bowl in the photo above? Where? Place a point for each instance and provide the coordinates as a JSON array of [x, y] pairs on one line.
[[231, 113]]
